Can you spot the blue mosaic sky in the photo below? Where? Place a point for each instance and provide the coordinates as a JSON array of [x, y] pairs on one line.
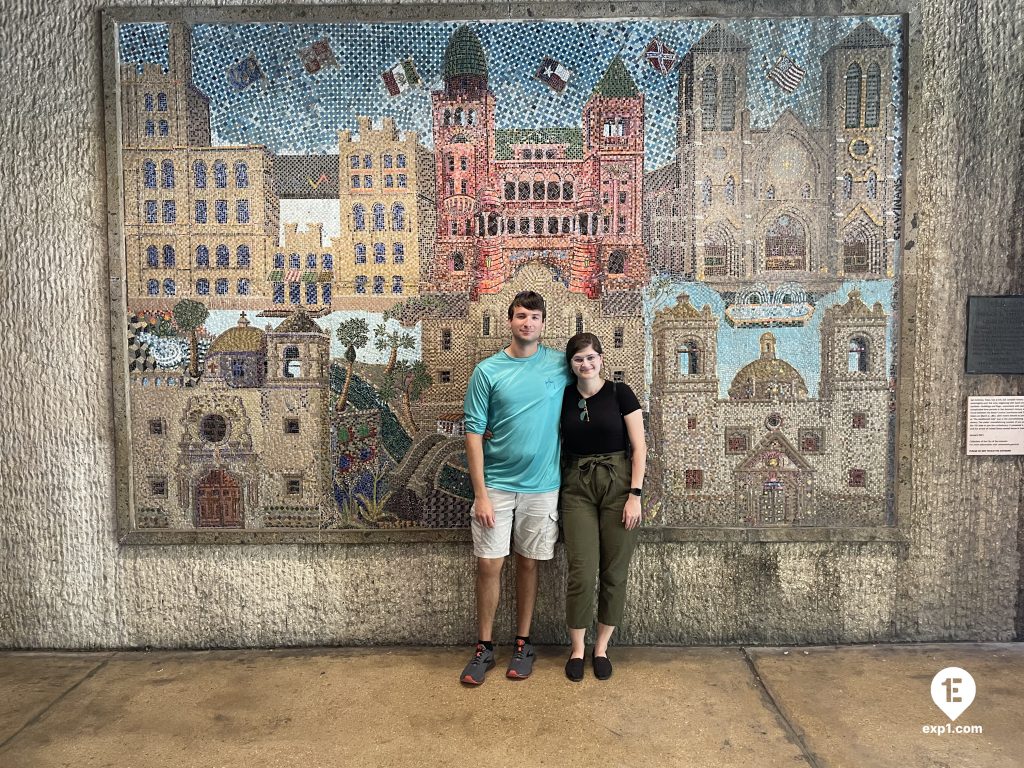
[[291, 111]]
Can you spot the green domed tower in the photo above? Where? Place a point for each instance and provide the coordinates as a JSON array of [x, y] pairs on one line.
[[463, 132], [465, 65]]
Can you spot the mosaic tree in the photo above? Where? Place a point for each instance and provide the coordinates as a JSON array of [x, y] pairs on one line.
[[394, 341], [354, 334], [189, 316]]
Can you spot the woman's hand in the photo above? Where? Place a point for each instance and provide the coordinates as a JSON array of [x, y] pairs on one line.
[[631, 512]]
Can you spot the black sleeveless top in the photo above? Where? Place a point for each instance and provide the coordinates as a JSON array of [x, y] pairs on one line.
[[605, 432]]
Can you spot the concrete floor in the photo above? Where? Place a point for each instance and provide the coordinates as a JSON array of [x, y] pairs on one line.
[[860, 706]]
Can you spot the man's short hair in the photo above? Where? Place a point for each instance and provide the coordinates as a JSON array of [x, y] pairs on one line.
[[528, 300]]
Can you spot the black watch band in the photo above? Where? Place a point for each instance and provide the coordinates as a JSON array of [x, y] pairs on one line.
[[636, 491]]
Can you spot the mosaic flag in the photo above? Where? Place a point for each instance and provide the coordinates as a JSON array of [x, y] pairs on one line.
[[401, 77], [660, 56], [317, 56], [786, 74], [244, 73], [553, 74]]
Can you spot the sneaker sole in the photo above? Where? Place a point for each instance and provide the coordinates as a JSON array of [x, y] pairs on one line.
[[468, 679]]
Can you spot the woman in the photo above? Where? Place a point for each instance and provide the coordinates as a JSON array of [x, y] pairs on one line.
[[604, 456]]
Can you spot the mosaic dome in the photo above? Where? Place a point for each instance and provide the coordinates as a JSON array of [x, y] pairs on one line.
[[241, 338], [464, 55], [768, 378]]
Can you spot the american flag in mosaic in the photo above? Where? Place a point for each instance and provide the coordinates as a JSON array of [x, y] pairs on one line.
[[786, 73]]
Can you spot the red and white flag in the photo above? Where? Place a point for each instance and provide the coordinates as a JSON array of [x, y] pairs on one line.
[[400, 77], [786, 74], [553, 75], [660, 56]]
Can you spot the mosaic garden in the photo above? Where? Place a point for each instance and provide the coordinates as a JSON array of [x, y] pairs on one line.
[[324, 225]]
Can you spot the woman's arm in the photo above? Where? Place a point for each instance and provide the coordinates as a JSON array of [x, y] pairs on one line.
[[635, 432]]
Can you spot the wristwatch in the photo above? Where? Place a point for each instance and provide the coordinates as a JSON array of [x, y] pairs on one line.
[[636, 491]]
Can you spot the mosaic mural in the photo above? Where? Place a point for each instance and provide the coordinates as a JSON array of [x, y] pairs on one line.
[[324, 225]]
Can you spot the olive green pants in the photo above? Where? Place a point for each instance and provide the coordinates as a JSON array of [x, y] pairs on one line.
[[598, 547]]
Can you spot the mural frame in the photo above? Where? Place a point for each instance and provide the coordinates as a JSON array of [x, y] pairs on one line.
[[904, 300]]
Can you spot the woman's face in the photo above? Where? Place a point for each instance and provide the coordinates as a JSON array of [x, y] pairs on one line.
[[586, 363]]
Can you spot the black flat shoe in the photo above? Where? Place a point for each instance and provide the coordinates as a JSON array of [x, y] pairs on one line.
[[602, 667], [574, 670]]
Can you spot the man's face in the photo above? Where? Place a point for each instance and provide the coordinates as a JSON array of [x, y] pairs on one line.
[[526, 324]]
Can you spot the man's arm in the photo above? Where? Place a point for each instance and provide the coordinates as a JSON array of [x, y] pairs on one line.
[[482, 509]]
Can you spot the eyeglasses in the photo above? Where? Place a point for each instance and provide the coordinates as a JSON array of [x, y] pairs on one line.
[[584, 413], [591, 359]]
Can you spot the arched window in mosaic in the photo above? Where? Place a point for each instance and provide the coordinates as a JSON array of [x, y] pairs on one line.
[[358, 217], [378, 217], [567, 188], [202, 256], [579, 322], [721, 253], [223, 256], [862, 248], [873, 95], [241, 175], [709, 100], [164, 128], [688, 357], [458, 262], [169, 255], [152, 256], [730, 190], [805, 192], [220, 174], [705, 191], [203, 286], [847, 186], [220, 287], [148, 100], [243, 286], [199, 174], [398, 217], [360, 253], [161, 102], [379, 254], [242, 256], [858, 355], [785, 244], [853, 77], [728, 99], [169, 287], [149, 174], [872, 185], [617, 263], [153, 288], [167, 174]]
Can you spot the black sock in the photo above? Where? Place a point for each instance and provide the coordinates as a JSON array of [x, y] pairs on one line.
[[524, 639], [488, 644]]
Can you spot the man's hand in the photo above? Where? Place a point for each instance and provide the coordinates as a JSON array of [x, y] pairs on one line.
[[483, 511]]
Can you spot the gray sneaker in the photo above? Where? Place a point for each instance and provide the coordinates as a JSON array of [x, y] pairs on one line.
[[521, 664], [482, 661]]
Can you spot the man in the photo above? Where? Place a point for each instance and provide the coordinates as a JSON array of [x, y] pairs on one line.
[[516, 395]]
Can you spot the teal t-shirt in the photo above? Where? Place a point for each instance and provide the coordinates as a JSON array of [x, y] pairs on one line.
[[520, 400]]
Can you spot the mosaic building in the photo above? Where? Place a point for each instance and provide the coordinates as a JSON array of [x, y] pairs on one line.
[[245, 446], [567, 199], [386, 197], [768, 454], [198, 220], [303, 268], [787, 202]]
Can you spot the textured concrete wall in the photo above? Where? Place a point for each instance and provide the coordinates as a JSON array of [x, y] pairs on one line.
[[65, 582]]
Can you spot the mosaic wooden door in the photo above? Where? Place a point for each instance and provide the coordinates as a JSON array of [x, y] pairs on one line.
[[218, 501]]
